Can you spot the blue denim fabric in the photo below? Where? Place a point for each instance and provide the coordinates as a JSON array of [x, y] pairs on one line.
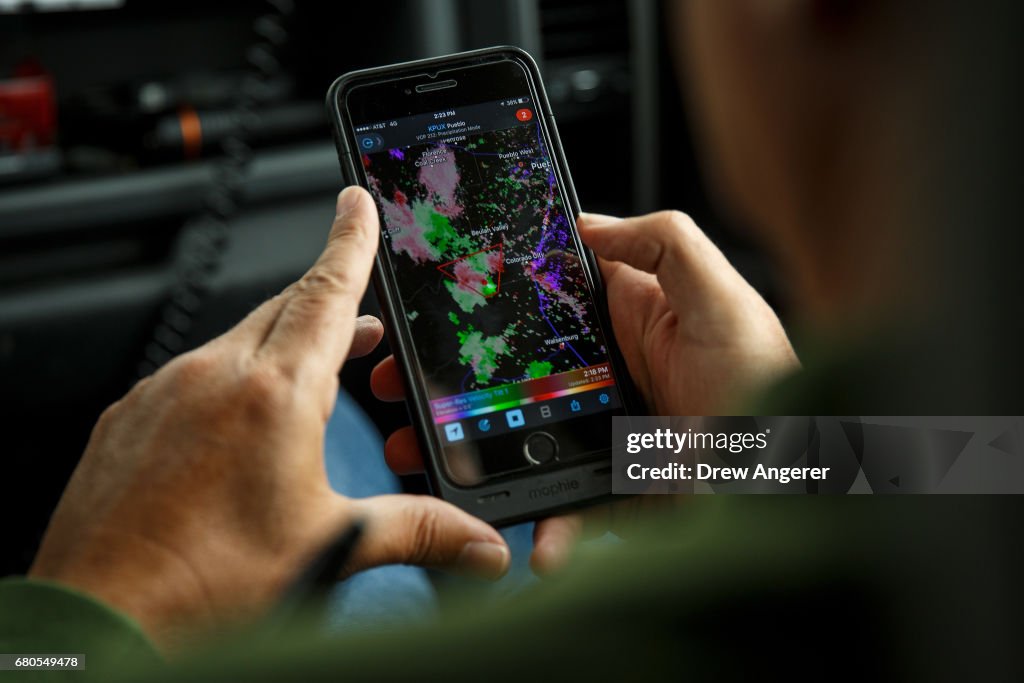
[[395, 594]]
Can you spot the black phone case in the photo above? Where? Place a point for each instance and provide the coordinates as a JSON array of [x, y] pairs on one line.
[[527, 495]]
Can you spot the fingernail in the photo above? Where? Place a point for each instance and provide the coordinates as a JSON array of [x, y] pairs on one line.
[[597, 219], [483, 559], [367, 320], [348, 198]]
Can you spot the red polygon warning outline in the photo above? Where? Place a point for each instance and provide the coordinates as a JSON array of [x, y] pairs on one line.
[[500, 246]]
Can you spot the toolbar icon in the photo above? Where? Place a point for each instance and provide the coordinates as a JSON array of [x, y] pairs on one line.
[[575, 406], [371, 142], [545, 411], [453, 431], [515, 418]]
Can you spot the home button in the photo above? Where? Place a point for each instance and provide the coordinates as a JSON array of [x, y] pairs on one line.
[[540, 448]]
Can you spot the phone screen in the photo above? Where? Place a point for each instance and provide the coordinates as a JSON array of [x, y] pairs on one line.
[[484, 252]]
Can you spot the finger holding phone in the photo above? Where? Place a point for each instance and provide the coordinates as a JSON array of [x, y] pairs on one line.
[[694, 334]]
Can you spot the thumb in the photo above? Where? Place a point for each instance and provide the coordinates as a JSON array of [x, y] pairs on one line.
[[428, 532], [690, 269]]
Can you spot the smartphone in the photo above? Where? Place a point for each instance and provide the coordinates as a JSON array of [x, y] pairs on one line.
[[493, 307]]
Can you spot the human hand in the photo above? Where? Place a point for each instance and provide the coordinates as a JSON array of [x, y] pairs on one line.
[[695, 335], [203, 491]]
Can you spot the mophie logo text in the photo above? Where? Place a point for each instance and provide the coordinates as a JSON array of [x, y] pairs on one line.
[[564, 486]]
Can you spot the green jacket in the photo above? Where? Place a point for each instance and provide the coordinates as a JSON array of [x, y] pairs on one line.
[[724, 587]]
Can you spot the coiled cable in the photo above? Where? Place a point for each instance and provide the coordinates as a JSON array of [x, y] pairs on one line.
[[204, 239]]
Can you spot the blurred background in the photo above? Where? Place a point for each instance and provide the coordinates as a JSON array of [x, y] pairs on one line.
[[166, 166]]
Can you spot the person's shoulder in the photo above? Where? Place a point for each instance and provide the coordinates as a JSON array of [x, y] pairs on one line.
[[44, 616]]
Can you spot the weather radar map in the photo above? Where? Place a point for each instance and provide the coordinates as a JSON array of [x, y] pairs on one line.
[[491, 284]]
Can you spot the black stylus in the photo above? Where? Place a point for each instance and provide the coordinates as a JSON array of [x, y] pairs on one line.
[[306, 593]]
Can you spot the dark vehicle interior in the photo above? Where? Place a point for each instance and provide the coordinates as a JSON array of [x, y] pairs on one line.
[[166, 166]]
